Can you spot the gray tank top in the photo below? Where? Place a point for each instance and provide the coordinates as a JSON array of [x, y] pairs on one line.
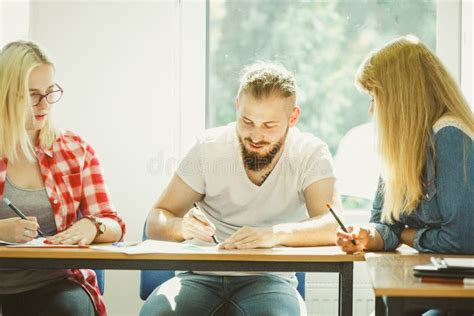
[[32, 203]]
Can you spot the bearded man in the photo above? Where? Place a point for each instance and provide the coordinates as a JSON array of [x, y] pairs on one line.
[[258, 182]]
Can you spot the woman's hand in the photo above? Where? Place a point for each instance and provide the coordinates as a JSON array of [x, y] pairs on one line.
[[361, 235], [82, 233], [19, 230], [407, 236]]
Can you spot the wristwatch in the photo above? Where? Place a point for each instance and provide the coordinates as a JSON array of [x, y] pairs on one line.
[[99, 225]]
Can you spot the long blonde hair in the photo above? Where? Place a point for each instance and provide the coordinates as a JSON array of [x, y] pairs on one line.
[[17, 60], [412, 90]]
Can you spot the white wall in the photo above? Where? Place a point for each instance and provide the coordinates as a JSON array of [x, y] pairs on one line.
[[14, 20], [117, 62]]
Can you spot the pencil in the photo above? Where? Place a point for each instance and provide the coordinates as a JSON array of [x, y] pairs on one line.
[[19, 213], [338, 221]]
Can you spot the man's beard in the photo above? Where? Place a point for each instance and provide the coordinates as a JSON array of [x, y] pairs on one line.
[[253, 160]]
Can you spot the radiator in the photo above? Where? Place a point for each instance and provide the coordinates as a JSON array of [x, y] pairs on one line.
[[322, 293]]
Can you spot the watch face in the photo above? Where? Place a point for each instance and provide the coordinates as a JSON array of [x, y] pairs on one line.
[[101, 228]]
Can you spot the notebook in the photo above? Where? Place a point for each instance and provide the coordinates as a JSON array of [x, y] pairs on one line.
[[446, 268]]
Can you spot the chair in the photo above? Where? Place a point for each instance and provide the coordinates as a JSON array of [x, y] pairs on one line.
[[100, 280], [150, 279]]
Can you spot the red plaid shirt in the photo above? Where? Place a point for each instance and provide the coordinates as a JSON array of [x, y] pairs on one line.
[[74, 183]]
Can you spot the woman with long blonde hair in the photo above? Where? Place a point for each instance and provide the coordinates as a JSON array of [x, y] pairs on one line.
[[54, 177], [425, 132]]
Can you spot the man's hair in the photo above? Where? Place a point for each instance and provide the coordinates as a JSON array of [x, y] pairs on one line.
[[263, 79]]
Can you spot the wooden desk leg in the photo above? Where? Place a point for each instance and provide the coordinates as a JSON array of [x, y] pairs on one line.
[[379, 306], [346, 288]]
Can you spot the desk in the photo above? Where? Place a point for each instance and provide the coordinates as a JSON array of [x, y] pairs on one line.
[[305, 259], [397, 290]]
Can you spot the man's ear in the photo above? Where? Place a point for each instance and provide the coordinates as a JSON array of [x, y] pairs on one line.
[[237, 104], [295, 115]]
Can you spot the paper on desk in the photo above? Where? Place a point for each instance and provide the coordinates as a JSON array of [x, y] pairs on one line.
[[459, 262], [38, 243], [4, 243], [156, 246]]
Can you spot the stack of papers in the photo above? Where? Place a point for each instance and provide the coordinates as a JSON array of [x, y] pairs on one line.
[[446, 268]]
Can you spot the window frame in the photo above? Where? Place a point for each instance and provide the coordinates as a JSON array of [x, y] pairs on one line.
[[467, 64], [452, 18], [191, 78]]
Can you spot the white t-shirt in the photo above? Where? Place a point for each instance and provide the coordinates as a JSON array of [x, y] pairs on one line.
[[214, 167]]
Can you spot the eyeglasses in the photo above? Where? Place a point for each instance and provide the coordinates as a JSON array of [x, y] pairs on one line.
[[50, 97]]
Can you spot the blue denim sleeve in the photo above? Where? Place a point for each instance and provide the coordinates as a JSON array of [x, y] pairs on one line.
[[390, 233], [455, 195]]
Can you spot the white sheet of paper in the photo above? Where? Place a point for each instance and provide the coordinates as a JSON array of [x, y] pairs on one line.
[[460, 262], [39, 243], [155, 246], [4, 243]]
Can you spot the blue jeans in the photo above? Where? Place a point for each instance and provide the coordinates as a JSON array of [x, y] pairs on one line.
[[60, 298], [195, 294]]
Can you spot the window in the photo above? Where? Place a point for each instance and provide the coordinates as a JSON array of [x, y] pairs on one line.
[[322, 43]]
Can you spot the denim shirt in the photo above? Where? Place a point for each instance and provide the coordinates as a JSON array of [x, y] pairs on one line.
[[444, 219]]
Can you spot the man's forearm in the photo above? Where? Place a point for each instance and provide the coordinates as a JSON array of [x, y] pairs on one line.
[[163, 225], [318, 231]]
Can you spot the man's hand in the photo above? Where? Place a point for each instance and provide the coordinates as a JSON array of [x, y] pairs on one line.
[[251, 237], [82, 232], [196, 225]]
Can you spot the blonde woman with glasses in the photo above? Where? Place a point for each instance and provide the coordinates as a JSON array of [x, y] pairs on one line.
[[54, 178], [425, 131]]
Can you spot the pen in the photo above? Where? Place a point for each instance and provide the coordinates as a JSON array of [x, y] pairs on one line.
[[125, 243], [339, 221], [19, 213], [213, 236]]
